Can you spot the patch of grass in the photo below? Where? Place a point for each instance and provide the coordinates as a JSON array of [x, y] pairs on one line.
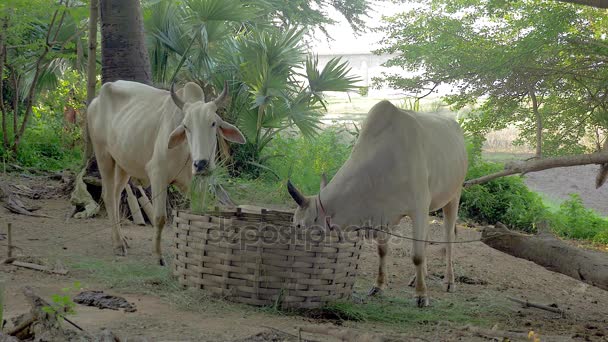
[[402, 312], [143, 277], [256, 191]]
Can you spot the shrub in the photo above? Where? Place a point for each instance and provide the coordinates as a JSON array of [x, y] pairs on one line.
[[304, 160], [573, 220], [505, 199]]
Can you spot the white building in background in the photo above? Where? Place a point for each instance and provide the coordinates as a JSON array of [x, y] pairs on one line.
[[366, 66]]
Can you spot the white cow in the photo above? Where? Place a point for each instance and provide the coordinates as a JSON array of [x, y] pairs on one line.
[[403, 164], [141, 131]]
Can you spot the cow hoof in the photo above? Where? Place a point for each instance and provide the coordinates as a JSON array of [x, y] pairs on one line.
[[422, 301], [412, 282], [449, 287], [161, 261], [124, 241], [374, 291], [120, 251]]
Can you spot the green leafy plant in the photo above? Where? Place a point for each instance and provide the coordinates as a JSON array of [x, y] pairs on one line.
[[62, 304], [304, 160], [574, 221], [507, 200]]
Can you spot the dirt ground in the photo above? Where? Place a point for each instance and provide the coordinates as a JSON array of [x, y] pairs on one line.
[[84, 247], [559, 183]]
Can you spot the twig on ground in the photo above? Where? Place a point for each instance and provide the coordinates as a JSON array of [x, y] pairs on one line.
[[527, 303], [39, 267]]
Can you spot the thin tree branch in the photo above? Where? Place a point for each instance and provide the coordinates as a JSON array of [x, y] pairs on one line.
[[542, 164]]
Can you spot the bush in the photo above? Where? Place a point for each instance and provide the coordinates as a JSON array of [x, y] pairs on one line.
[[304, 160], [574, 221], [49, 143], [507, 200]]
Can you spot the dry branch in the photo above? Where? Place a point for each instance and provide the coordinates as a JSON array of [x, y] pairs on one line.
[[550, 252], [146, 205], [39, 267], [529, 304], [512, 168], [136, 215]]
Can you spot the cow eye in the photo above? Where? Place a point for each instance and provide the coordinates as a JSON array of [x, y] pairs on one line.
[[213, 124]]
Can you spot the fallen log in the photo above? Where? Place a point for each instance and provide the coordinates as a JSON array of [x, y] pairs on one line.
[[550, 252]]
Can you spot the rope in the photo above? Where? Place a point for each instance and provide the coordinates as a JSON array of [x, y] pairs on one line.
[[430, 241]]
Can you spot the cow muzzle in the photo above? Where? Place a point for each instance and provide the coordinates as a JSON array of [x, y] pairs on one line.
[[201, 166]]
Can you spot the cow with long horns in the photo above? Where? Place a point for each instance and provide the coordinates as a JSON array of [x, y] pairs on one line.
[[403, 164], [157, 136]]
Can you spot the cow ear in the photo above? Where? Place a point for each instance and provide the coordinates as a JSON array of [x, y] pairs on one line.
[[231, 133], [177, 136]]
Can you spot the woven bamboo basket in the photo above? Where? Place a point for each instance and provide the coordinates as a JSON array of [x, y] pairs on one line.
[[261, 259]]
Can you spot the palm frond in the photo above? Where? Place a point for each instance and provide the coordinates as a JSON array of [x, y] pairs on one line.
[[334, 76]]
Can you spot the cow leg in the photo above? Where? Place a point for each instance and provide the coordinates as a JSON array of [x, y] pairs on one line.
[[121, 178], [412, 282], [159, 201], [382, 241], [420, 221], [450, 213], [108, 185]]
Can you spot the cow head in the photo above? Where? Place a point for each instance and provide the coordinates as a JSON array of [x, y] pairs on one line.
[[310, 211], [200, 126]]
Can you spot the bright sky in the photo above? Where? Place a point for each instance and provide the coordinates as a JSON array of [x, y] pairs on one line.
[[345, 40]]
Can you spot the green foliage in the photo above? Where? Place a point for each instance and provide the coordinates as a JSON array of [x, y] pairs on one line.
[[62, 304], [50, 143], [574, 221], [509, 201], [263, 60], [304, 160], [499, 56], [364, 91], [505, 200]]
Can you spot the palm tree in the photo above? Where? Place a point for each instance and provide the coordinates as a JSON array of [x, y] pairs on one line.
[[123, 51], [273, 83]]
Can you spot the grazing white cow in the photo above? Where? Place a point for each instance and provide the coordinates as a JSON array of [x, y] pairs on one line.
[[156, 136], [403, 164]]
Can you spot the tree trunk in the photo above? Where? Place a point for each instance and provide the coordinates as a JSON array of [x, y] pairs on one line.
[[15, 84], [123, 50], [543, 164], [5, 141], [123, 57], [551, 253], [91, 73], [602, 174], [539, 124]]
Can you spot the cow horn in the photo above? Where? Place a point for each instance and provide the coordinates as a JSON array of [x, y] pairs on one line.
[[221, 99], [323, 180], [297, 196], [178, 102]]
